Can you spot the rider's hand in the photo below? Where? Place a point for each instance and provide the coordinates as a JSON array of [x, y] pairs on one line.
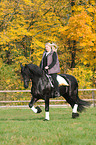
[[46, 67]]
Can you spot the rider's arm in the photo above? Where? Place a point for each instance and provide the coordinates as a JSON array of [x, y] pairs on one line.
[[54, 59]]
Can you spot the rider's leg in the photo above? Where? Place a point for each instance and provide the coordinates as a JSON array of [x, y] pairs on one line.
[[55, 83]]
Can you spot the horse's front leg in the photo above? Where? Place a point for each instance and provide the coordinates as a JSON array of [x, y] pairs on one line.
[[46, 108], [31, 105]]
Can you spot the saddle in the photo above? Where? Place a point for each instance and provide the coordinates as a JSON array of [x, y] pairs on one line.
[[61, 80]]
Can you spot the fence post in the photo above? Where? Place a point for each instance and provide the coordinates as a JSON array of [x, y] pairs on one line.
[[5, 95], [93, 98]]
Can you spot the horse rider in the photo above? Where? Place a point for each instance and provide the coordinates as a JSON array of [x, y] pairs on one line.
[[50, 64]]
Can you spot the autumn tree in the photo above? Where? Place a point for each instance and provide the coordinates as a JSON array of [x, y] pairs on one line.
[[79, 33], [27, 25]]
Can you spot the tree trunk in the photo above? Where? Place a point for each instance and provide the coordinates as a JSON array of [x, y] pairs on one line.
[[73, 54]]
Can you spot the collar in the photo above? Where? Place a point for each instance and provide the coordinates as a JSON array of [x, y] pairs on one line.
[[47, 53]]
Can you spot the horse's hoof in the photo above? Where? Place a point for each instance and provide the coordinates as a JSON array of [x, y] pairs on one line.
[[45, 120], [75, 115], [38, 109], [30, 105]]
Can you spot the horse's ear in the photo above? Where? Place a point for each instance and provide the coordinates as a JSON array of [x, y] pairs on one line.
[[25, 65], [22, 67]]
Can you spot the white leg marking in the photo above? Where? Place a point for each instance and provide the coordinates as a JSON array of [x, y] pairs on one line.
[[75, 108], [47, 115], [34, 109]]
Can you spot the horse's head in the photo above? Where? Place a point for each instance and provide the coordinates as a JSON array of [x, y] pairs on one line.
[[30, 71], [26, 75]]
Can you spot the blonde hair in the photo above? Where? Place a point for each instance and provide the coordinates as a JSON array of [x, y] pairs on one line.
[[49, 44], [53, 45]]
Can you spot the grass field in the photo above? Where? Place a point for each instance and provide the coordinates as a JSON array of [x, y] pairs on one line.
[[20, 126]]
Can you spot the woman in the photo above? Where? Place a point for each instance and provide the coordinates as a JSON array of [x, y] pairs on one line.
[[50, 64]]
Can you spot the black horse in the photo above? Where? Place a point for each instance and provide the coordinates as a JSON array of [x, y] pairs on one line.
[[43, 89]]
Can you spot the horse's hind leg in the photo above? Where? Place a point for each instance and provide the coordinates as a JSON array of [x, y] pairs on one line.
[[34, 109], [74, 111], [74, 106], [73, 103]]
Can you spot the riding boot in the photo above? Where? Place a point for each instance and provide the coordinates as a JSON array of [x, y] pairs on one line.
[[55, 83]]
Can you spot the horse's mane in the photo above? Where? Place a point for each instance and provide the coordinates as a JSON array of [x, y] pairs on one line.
[[35, 69]]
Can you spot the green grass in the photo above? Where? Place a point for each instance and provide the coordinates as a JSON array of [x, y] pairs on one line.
[[20, 126]]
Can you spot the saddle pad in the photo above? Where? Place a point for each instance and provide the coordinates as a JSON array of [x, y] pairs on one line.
[[62, 81]]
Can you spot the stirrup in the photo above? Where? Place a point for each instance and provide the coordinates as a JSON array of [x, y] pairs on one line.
[[57, 94]]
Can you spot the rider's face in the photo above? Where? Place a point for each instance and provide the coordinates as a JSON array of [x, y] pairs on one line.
[[48, 48]]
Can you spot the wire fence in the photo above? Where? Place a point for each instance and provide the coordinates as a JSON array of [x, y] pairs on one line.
[[24, 101]]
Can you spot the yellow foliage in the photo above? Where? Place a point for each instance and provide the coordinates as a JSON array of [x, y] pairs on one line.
[[78, 26], [26, 25], [28, 2], [1, 62], [82, 75], [82, 29]]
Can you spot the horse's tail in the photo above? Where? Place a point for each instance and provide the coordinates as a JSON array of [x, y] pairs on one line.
[[82, 104]]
